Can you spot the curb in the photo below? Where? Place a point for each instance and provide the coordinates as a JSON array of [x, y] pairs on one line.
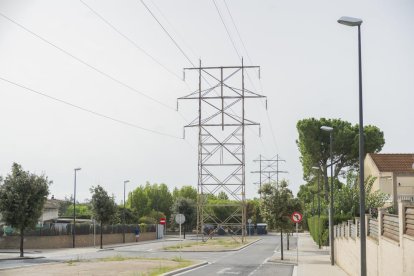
[[21, 258], [180, 270], [223, 250]]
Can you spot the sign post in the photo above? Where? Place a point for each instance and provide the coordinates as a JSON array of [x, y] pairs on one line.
[[250, 228], [296, 218], [180, 219]]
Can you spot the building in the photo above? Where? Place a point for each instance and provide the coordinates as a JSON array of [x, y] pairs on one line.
[[394, 174]]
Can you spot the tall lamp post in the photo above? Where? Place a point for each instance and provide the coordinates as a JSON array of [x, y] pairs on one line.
[[356, 22], [123, 215], [331, 209], [319, 207], [74, 210]]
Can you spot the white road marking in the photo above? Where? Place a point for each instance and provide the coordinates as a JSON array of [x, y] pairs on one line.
[[226, 271], [257, 268]]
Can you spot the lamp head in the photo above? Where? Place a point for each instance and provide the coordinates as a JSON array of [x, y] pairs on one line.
[[350, 21], [78, 169], [126, 181], [327, 128]]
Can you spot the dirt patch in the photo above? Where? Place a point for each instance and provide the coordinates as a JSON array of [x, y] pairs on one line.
[[109, 266], [215, 244]]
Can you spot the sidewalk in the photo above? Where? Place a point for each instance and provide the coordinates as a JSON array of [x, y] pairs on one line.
[[312, 260], [13, 254]]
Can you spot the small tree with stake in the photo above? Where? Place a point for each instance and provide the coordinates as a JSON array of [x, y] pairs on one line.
[[103, 207], [22, 197], [277, 205]]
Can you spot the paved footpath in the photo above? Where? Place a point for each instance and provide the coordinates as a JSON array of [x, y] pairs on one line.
[[312, 260]]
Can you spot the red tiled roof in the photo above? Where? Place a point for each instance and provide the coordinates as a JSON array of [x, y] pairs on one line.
[[394, 162]]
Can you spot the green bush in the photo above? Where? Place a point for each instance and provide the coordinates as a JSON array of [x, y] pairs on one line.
[[323, 227]]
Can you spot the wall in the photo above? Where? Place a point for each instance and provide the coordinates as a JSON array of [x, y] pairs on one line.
[[384, 256], [65, 241]]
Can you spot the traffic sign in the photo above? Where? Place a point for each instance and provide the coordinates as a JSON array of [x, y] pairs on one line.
[[249, 221], [162, 221], [179, 218], [296, 217]]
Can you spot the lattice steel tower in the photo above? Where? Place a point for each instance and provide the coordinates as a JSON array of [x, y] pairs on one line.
[[221, 145]]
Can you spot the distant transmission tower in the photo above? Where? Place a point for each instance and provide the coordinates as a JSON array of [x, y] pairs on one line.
[[268, 170], [221, 145]]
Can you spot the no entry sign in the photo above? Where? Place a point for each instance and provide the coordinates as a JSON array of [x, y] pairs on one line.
[[296, 217], [162, 221]]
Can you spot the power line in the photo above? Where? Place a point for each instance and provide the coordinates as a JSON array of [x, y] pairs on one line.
[[250, 60], [169, 35], [88, 110], [129, 39], [227, 30], [86, 64], [174, 29]]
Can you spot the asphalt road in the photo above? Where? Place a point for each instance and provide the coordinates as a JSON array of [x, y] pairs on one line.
[[251, 260]]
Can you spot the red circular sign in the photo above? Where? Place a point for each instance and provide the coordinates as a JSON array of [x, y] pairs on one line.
[[162, 221], [296, 217]]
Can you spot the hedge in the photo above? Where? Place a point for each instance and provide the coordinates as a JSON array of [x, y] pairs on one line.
[[323, 226]]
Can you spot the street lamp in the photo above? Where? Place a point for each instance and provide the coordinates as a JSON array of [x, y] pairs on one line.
[[319, 207], [350, 21], [123, 215], [74, 210], [331, 210]]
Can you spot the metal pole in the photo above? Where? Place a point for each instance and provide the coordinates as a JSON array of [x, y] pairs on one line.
[[361, 165], [331, 211], [123, 218], [297, 245], [260, 175], [74, 212], [319, 212]]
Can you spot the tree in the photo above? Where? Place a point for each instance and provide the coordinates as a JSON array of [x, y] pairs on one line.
[[155, 197], [22, 197], [222, 195], [103, 206], [187, 207], [347, 197], [186, 192], [253, 210], [313, 144], [278, 204], [83, 211]]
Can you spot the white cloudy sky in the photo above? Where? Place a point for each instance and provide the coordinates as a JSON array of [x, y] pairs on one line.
[[309, 69]]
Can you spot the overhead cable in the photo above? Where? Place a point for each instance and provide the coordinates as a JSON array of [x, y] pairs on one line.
[[89, 110], [129, 39], [87, 64]]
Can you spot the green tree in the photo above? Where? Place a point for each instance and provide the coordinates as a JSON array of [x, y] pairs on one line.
[[188, 208], [22, 197], [222, 195], [148, 198], [313, 144], [83, 211], [185, 192], [103, 206], [347, 197], [278, 204], [253, 210]]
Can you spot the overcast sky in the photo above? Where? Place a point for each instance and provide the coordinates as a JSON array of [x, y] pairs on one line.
[[308, 69]]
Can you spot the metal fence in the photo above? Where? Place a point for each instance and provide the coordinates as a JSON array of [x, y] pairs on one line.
[[372, 230], [409, 221], [57, 229], [390, 227]]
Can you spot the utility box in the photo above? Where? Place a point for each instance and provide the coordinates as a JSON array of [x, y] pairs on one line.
[[261, 229]]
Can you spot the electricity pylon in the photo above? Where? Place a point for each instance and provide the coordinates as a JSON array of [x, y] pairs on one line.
[[268, 171], [221, 126]]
